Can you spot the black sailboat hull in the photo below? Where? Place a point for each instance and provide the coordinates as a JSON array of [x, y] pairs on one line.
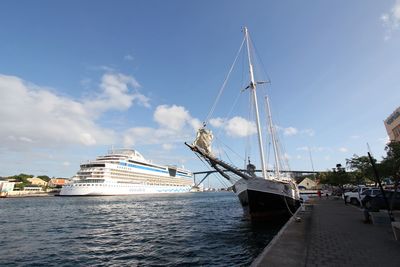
[[264, 199], [258, 205]]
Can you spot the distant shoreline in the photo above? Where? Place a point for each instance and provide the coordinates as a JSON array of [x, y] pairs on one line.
[[22, 195]]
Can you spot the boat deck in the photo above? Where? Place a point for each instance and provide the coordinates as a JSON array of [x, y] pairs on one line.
[[331, 233]]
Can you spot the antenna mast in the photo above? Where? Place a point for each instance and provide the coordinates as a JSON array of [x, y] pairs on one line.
[[274, 144], [254, 94]]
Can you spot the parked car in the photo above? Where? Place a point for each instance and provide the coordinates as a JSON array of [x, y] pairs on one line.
[[372, 192], [357, 194], [378, 202]]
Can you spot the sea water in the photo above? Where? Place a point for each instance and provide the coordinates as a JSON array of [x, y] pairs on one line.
[[193, 229]]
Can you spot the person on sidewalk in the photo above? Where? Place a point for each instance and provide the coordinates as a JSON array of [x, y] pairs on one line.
[[319, 193]]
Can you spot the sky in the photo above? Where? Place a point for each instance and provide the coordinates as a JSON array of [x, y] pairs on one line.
[[78, 78]]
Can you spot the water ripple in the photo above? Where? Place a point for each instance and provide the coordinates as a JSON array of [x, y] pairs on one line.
[[199, 229]]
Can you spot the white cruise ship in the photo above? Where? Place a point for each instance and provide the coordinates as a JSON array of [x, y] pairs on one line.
[[126, 172]]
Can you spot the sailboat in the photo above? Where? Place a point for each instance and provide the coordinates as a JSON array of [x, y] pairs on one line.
[[269, 197]]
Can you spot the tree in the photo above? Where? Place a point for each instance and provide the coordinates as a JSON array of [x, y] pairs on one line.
[[337, 177], [21, 180], [391, 163], [22, 177], [361, 168]]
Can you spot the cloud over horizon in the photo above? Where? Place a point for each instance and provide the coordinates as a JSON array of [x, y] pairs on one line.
[[175, 124], [36, 116], [235, 127]]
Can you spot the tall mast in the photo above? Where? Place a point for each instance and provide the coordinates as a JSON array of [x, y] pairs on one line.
[[253, 91], [273, 137]]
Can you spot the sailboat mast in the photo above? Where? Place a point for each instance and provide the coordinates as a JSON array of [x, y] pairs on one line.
[[273, 137], [254, 94]]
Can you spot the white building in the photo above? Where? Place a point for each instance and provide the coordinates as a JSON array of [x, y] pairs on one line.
[[6, 187], [307, 183]]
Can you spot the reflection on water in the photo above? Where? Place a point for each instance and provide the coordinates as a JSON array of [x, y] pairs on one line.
[[196, 229]]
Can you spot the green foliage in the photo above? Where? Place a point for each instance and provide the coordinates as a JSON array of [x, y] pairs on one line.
[[337, 177], [19, 186], [362, 171], [361, 168], [390, 165], [22, 177]]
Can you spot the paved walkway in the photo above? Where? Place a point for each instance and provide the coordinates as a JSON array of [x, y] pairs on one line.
[[332, 234]]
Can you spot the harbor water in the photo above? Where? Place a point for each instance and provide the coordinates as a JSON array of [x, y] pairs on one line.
[[193, 229]]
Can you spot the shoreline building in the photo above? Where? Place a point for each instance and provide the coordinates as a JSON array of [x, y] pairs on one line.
[[6, 187], [392, 124]]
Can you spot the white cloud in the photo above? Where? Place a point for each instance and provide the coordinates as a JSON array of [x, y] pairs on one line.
[[167, 146], [128, 57], [25, 139], [87, 139], [303, 148], [343, 149], [66, 163], [141, 99], [116, 95], [240, 127], [37, 116], [174, 117], [133, 136], [290, 131], [314, 148], [391, 20], [175, 125], [309, 132], [235, 127], [355, 137], [216, 122]]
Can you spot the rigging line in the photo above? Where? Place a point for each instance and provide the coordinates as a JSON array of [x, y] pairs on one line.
[[209, 168], [207, 165], [268, 153], [251, 118], [226, 154], [248, 143], [259, 58], [312, 164], [219, 148], [283, 148], [229, 113], [224, 84], [219, 140], [222, 181]]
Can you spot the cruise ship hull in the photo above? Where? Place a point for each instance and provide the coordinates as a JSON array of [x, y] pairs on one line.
[[126, 172], [265, 199], [119, 189]]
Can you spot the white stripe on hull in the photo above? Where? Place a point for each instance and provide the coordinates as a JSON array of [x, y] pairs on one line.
[[119, 189]]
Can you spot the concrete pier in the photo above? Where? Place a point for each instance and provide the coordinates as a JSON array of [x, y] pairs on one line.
[[331, 233]]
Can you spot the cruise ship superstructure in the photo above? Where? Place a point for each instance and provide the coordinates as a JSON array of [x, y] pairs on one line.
[[126, 172]]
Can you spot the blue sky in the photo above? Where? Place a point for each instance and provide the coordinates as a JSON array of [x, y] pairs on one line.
[[77, 77]]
